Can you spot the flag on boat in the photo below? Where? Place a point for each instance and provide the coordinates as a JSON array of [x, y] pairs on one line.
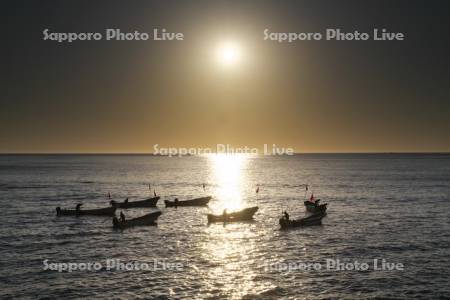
[[312, 199], [154, 192]]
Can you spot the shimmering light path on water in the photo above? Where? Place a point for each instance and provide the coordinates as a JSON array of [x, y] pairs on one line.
[[380, 206]]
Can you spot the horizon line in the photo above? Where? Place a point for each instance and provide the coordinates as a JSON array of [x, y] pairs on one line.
[[152, 154]]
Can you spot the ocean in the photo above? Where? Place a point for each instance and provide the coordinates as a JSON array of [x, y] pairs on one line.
[[393, 208]]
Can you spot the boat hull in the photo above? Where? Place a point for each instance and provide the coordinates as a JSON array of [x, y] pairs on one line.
[[194, 202], [312, 220], [107, 211], [150, 202], [243, 215], [145, 220]]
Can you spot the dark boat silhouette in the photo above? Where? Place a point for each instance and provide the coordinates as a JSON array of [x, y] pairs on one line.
[[107, 211], [315, 207], [145, 220], [242, 215], [203, 201], [149, 202], [315, 219]]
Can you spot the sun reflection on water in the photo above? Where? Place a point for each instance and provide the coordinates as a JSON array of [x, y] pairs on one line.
[[229, 178], [232, 255], [230, 250]]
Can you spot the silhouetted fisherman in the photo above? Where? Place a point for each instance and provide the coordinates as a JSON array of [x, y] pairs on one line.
[[286, 215], [78, 208], [122, 217], [176, 202], [115, 221], [126, 201]]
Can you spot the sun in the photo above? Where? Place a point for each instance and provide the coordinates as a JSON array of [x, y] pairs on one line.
[[229, 54]]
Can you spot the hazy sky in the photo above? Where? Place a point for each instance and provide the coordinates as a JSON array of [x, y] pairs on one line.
[[313, 96]]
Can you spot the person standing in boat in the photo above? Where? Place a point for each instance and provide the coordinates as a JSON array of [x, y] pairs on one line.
[[286, 215], [115, 221], [78, 208], [122, 217]]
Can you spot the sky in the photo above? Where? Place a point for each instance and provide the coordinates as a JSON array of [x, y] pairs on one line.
[[312, 96]]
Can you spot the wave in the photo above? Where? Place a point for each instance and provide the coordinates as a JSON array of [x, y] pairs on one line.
[[7, 187]]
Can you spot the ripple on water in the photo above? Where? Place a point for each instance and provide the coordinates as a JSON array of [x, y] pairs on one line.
[[373, 212]]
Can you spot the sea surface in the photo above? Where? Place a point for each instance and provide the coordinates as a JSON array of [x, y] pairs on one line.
[[380, 206]]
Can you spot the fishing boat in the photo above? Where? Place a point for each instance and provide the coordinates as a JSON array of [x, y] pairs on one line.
[[315, 207], [107, 211], [242, 215], [193, 202], [145, 220], [149, 202], [315, 219]]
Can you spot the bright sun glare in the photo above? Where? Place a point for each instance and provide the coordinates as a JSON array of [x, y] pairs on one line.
[[228, 173], [229, 54]]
